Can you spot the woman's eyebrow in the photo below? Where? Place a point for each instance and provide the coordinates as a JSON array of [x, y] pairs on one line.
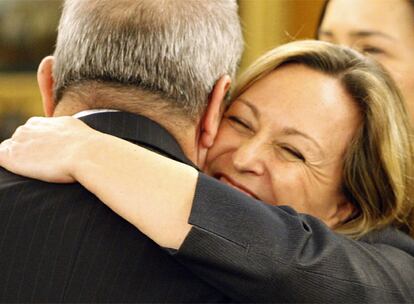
[[296, 132], [369, 33], [358, 34], [250, 104]]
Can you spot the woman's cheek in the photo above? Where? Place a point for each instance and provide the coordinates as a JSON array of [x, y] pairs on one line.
[[288, 186]]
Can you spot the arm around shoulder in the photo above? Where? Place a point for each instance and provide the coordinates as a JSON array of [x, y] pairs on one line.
[[256, 252]]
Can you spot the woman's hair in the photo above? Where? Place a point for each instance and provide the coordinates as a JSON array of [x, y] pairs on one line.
[[378, 165]]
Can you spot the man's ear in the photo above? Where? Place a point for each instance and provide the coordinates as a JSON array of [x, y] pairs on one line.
[[212, 116], [45, 81]]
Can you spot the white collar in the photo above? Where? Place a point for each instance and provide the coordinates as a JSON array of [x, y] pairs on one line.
[[89, 112]]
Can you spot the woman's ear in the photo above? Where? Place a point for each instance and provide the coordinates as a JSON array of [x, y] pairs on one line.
[[46, 82], [345, 210], [210, 121]]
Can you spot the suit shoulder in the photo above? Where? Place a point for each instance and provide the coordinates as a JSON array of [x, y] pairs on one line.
[[16, 187], [8, 179]]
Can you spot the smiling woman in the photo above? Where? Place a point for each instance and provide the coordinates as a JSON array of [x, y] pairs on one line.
[[284, 140], [382, 29], [316, 127], [320, 125]]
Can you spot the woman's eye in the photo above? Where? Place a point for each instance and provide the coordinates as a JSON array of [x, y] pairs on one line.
[[372, 50], [296, 154], [239, 122]]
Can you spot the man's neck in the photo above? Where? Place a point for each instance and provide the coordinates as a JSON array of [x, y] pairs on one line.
[[185, 136]]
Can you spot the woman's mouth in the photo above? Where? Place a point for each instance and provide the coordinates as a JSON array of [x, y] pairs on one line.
[[228, 181]]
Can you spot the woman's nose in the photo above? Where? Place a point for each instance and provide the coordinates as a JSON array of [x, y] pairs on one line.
[[249, 158]]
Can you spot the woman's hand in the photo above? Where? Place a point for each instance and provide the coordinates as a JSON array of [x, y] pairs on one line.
[[47, 148]]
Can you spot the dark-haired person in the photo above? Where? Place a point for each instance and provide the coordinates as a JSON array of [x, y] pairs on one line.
[[317, 132], [383, 29]]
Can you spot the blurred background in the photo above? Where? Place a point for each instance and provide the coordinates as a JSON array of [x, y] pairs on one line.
[[28, 32]]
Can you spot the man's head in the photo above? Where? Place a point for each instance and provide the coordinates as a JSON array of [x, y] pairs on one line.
[[164, 59]]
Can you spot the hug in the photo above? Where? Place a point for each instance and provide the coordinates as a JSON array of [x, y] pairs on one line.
[[158, 177]]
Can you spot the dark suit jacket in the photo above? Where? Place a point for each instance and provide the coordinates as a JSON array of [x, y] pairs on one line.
[[59, 243], [261, 253]]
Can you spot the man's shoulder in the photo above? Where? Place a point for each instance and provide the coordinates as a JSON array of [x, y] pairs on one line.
[[24, 199], [8, 178], [20, 194], [12, 183], [69, 226]]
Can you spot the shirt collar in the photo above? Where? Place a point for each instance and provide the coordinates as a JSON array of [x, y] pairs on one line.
[[93, 111]]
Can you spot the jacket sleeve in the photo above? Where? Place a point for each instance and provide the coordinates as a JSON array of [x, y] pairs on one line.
[[255, 252]]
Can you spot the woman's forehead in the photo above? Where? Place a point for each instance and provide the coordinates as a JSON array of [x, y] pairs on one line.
[[369, 16], [296, 97]]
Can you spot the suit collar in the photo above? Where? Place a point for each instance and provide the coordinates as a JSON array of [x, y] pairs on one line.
[[139, 130]]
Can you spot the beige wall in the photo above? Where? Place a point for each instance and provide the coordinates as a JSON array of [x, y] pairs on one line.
[[19, 93], [269, 23]]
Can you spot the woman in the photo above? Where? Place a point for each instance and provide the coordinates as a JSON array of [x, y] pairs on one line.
[[382, 29], [313, 126]]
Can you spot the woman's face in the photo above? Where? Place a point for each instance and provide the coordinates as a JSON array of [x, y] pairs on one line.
[[284, 139], [383, 29]]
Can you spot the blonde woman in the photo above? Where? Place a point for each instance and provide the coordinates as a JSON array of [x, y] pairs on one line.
[[317, 132]]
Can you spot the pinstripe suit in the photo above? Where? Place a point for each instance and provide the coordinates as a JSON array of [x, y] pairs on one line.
[[59, 243]]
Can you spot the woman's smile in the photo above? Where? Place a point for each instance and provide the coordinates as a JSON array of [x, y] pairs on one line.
[[234, 184]]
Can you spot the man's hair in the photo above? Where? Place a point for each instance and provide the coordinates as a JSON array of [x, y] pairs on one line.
[[378, 168], [173, 50]]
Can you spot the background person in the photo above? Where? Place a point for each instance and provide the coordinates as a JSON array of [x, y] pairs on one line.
[[314, 126], [382, 29]]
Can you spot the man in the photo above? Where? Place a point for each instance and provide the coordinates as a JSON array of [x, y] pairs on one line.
[[154, 73]]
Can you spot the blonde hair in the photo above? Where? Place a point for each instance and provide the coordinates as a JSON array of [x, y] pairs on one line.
[[378, 166]]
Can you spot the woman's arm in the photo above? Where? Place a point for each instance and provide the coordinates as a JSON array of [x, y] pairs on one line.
[[122, 175], [256, 252]]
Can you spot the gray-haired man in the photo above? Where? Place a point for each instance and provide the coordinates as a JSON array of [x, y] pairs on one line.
[[154, 72]]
